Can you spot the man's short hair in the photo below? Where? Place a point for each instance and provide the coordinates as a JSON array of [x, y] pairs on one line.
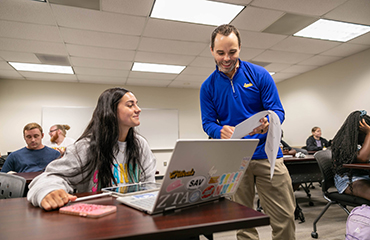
[[226, 30], [31, 126]]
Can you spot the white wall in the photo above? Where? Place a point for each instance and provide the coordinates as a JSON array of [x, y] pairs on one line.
[[324, 97], [21, 102]]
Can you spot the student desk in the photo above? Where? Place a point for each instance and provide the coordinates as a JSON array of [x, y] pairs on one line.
[[365, 166], [20, 220], [29, 176]]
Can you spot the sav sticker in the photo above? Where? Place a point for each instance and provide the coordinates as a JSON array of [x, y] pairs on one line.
[[196, 182]]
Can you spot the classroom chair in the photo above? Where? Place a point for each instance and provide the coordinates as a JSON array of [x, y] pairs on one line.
[[11, 186]]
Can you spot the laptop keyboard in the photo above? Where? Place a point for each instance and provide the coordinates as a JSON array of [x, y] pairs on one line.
[[145, 203]]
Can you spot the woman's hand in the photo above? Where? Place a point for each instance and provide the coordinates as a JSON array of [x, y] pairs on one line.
[[56, 199], [364, 127]]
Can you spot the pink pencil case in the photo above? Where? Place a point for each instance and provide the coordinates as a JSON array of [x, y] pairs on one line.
[[88, 210]]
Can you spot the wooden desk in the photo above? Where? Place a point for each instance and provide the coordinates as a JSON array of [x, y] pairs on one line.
[[303, 170], [365, 166], [29, 176], [20, 220]]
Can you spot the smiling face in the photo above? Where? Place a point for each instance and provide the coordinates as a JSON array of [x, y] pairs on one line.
[[128, 112], [226, 53], [33, 138]]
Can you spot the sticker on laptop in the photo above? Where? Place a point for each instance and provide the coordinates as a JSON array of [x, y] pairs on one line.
[[207, 192], [196, 182], [174, 185]]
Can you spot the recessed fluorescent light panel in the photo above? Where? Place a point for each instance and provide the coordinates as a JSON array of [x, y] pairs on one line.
[[333, 30], [196, 11], [42, 68], [158, 68]]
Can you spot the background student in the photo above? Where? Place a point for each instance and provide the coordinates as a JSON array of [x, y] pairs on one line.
[[58, 139], [235, 91], [108, 152], [351, 144], [315, 142], [35, 156]]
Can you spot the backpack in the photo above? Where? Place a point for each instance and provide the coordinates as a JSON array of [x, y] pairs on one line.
[[358, 223]]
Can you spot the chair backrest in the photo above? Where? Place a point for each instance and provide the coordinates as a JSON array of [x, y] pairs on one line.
[[325, 163], [11, 186]]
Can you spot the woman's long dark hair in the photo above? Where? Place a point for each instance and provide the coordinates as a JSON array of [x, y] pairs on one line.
[[102, 135], [345, 143]]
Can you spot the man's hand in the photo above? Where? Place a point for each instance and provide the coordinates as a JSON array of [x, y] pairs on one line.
[[56, 199], [263, 128], [227, 132]]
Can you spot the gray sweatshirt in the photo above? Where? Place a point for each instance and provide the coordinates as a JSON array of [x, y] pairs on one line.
[[46, 183]]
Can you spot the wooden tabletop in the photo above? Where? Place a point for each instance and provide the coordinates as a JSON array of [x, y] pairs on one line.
[[365, 166], [20, 220], [295, 159], [29, 176]]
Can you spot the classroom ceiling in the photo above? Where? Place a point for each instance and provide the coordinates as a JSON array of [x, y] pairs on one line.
[[101, 39]]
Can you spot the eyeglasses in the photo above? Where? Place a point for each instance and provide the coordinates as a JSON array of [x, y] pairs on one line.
[[53, 130]]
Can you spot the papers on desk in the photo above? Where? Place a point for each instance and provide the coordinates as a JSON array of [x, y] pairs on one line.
[[273, 134]]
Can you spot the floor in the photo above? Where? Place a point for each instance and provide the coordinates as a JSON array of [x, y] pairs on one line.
[[332, 225]]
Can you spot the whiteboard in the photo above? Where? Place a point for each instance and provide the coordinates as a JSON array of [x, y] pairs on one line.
[[76, 117], [160, 127]]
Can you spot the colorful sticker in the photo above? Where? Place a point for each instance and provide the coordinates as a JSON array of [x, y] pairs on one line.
[[213, 180], [194, 196], [196, 182], [207, 192], [174, 185], [181, 174]]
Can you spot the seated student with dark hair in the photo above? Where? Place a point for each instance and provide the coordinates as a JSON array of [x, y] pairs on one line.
[[351, 144], [315, 142], [32, 158], [288, 150]]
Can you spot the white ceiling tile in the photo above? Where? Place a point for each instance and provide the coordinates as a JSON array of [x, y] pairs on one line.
[[10, 74], [198, 71], [29, 31], [237, 2], [99, 63], [191, 78], [21, 45], [171, 46], [100, 53], [250, 18], [100, 72], [304, 45], [48, 76], [259, 40], [345, 49], [312, 7], [163, 58], [26, 11], [19, 57], [164, 29], [206, 52], [282, 57], [81, 18], [298, 69], [181, 84], [283, 76], [319, 60], [137, 7], [354, 11], [5, 66], [275, 67], [363, 39], [203, 62], [101, 79], [147, 82], [247, 54], [99, 39], [149, 75]]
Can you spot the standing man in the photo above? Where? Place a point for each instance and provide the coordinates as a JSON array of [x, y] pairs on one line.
[[235, 91], [58, 139], [32, 158]]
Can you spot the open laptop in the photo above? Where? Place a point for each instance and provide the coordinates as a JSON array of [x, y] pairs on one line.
[[199, 171]]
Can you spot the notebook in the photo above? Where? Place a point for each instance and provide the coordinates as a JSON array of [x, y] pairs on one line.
[[199, 171]]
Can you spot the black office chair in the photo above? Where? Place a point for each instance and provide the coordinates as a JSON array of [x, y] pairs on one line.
[[324, 161], [11, 186]]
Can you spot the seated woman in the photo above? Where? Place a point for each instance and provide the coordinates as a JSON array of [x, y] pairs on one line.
[[351, 144], [108, 152], [315, 142]]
